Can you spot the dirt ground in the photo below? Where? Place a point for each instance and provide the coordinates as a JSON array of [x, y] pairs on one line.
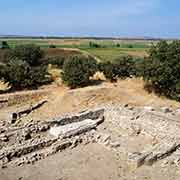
[[130, 91], [93, 161]]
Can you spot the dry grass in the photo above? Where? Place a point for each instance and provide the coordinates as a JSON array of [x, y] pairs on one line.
[[99, 76], [55, 74], [137, 53], [4, 86]]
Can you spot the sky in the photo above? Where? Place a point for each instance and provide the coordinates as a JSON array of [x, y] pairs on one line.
[[107, 18]]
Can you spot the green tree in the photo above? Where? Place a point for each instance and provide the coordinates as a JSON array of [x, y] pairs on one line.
[[23, 67], [162, 69], [21, 75], [77, 71], [29, 53]]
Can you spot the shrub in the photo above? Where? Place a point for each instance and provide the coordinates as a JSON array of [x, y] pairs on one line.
[[57, 61], [94, 45], [3, 70], [4, 45], [23, 67], [108, 69], [121, 67], [52, 46], [21, 75], [130, 46], [17, 74], [29, 53], [77, 71], [162, 69], [124, 66], [4, 55], [139, 66]]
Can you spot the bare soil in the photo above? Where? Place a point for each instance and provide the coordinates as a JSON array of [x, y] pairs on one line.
[[91, 162]]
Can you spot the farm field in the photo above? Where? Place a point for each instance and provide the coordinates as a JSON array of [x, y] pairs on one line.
[[111, 53], [108, 50]]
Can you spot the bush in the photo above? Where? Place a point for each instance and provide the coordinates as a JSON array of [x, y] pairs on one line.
[[57, 61], [29, 53], [77, 71], [139, 66], [3, 70], [108, 69], [162, 69], [130, 46], [4, 55], [52, 46], [23, 68], [94, 45], [124, 66], [4, 45], [21, 75]]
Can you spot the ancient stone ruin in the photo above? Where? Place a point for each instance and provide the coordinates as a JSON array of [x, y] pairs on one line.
[[145, 134]]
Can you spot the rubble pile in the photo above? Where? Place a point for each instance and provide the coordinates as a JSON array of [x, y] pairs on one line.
[[145, 134], [34, 141]]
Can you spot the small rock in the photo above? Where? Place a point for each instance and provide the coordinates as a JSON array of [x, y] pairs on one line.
[[4, 138], [166, 110], [97, 137], [105, 138], [2, 130], [5, 160], [178, 111], [3, 166], [44, 127], [136, 159], [106, 143], [126, 105], [131, 108], [14, 117], [85, 140], [148, 108], [135, 130], [26, 135], [115, 145]]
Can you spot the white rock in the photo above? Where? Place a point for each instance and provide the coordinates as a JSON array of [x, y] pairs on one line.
[[148, 108], [73, 128]]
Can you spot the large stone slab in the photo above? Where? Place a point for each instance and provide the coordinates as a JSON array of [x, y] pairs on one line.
[[74, 128]]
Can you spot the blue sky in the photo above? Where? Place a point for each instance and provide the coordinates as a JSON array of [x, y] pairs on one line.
[[154, 18]]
